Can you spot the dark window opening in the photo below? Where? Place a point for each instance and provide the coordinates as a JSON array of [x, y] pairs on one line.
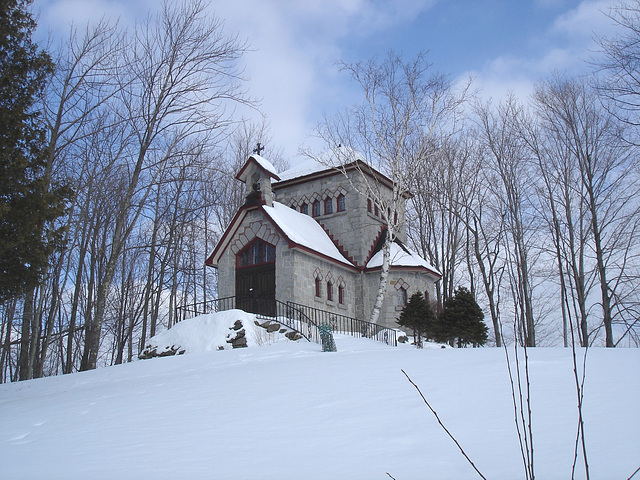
[[340, 294], [402, 297], [318, 287], [330, 291], [341, 203], [316, 209], [304, 208], [256, 253], [369, 205], [328, 206]]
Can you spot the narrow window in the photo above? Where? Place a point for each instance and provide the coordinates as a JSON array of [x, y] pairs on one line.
[[402, 297], [377, 212], [426, 295], [395, 218], [328, 206], [341, 203], [304, 208], [330, 291], [340, 294], [315, 209], [369, 205], [318, 287]]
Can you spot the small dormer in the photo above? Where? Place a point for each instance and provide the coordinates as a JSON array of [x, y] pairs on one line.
[[256, 174]]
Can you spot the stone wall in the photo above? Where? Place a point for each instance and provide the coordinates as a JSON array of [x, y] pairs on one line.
[[307, 268], [355, 230], [412, 281]]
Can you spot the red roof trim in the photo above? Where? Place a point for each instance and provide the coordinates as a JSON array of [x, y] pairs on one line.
[[322, 255], [225, 236], [235, 224], [407, 268], [329, 171]]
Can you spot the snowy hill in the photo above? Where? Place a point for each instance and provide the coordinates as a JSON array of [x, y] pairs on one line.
[[286, 410]]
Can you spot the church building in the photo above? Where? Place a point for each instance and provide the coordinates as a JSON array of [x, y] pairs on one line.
[[307, 236]]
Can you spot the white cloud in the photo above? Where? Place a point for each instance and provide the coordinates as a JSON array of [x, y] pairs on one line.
[[586, 19], [297, 44], [568, 45]]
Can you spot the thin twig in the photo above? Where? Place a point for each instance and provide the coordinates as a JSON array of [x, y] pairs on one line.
[[442, 425], [634, 473], [393, 478]]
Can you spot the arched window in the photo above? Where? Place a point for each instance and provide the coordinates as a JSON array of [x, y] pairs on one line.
[[340, 294], [330, 291], [369, 205], [341, 203], [318, 287], [328, 205], [304, 208], [315, 209], [257, 252]]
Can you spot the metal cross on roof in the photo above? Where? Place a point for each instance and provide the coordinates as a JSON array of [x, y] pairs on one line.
[[259, 148]]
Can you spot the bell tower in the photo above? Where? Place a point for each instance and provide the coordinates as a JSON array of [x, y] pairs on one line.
[[256, 174]]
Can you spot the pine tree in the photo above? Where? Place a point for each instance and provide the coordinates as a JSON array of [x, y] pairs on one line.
[[418, 316], [462, 320], [28, 204]]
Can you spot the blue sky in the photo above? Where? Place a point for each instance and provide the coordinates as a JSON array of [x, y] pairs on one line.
[[507, 45]]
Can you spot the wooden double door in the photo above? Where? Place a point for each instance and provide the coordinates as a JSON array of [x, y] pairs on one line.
[[256, 289]]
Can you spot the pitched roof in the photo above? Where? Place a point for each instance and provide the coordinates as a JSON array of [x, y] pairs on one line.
[[402, 256], [300, 231], [303, 230], [264, 165], [330, 163]]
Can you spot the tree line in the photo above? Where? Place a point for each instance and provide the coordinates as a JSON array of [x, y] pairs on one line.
[[136, 141], [534, 203], [128, 145]]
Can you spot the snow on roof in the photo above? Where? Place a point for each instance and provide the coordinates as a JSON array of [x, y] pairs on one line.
[[329, 160], [401, 257], [304, 230], [266, 164]]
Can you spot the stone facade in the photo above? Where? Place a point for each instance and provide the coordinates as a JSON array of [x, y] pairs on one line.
[[338, 282]]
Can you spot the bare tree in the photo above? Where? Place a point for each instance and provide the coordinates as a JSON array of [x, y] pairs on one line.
[[620, 64], [405, 107], [510, 179], [435, 219], [179, 75], [608, 192]]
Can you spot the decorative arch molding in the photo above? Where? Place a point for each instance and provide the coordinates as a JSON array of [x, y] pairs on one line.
[[400, 283], [258, 229]]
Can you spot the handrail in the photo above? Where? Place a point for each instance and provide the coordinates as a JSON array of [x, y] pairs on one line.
[[349, 325], [301, 318]]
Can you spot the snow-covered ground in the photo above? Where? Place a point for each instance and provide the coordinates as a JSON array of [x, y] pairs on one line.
[[286, 410]]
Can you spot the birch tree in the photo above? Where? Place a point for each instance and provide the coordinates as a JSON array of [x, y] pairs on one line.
[[405, 106]]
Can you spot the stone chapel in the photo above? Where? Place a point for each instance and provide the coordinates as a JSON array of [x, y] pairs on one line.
[[307, 236]]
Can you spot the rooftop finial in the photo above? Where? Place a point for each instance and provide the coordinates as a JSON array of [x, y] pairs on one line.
[[259, 148]]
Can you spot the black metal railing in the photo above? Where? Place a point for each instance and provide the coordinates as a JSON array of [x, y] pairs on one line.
[[301, 318], [266, 309], [348, 325], [200, 308]]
